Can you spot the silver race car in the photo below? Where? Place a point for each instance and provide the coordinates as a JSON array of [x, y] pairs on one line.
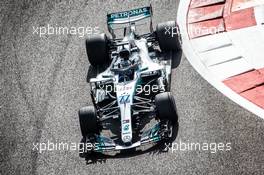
[[134, 87]]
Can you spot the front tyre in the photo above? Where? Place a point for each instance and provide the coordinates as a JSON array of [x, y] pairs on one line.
[[88, 121], [166, 107]]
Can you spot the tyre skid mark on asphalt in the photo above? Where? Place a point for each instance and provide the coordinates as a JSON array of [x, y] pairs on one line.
[[38, 119], [14, 20]]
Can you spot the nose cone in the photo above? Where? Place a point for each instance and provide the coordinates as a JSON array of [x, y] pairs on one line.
[[127, 139]]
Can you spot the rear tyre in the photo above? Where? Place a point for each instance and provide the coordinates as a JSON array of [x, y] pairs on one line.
[[97, 50], [166, 107], [88, 121], [168, 36]]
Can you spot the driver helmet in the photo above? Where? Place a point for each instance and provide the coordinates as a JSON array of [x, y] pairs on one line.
[[124, 53]]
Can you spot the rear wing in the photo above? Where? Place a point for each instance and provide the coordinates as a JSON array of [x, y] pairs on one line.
[[129, 16]]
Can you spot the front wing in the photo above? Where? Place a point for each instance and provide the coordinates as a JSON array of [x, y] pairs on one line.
[[151, 136]]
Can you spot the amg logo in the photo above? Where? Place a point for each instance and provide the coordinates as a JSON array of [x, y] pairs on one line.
[[131, 13]]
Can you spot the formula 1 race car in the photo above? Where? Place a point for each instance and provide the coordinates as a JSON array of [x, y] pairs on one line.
[[134, 87]]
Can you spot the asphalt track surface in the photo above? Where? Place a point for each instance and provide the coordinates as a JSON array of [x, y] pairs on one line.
[[43, 84]]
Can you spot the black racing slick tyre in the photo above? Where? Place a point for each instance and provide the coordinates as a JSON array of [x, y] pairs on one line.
[[97, 49], [167, 34], [166, 107], [88, 121]]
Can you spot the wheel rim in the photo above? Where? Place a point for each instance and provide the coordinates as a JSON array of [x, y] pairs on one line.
[[170, 129]]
